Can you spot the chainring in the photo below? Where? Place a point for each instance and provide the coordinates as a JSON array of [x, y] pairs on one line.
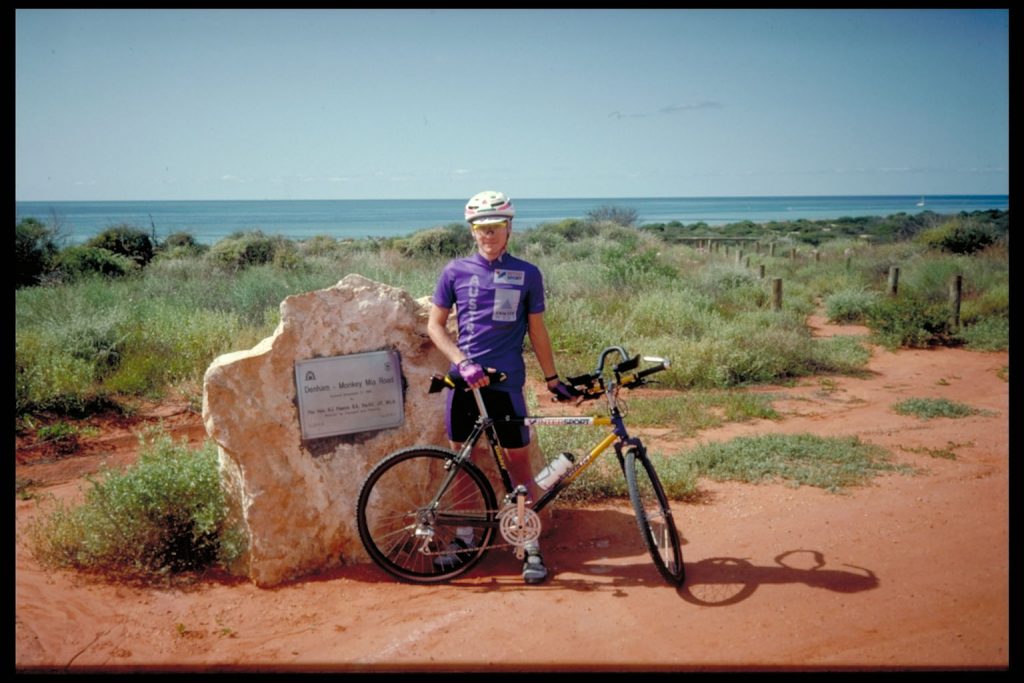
[[515, 533]]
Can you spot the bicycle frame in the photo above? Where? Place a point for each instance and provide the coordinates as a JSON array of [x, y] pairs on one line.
[[485, 427], [618, 437]]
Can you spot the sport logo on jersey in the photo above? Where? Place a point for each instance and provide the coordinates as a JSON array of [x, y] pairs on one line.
[[509, 277], [506, 305]]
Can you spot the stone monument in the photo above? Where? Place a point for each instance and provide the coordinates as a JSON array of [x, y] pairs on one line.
[[294, 498]]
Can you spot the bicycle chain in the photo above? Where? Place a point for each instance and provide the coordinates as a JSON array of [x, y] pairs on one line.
[[532, 521]]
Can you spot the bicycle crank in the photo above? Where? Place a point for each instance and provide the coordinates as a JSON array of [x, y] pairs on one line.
[[518, 527]]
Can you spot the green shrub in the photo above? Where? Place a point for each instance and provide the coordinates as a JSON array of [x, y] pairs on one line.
[[905, 322], [959, 235], [692, 411], [81, 261], [181, 239], [994, 302], [48, 377], [450, 241], [165, 344], [34, 250], [181, 245], [620, 215], [990, 334], [841, 355], [321, 245], [570, 229], [166, 514], [626, 266], [242, 250], [687, 313], [125, 240], [928, 408], [849, 305], [797, 459], [718, 278]]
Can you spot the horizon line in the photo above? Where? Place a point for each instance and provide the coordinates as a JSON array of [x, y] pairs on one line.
[[458, 199]]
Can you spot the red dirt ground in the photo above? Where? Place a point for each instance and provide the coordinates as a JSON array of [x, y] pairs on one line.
[[911, 572]]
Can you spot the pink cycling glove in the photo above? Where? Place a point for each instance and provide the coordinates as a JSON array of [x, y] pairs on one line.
[[471, 372]]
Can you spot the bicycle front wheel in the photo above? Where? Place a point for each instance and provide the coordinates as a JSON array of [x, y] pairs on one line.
[[653, 516], [410, 509]]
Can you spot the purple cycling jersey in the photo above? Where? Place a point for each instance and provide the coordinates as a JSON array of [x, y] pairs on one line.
[[493, 300]]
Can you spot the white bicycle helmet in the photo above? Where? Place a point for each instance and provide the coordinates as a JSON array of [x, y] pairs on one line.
[[489, 207]]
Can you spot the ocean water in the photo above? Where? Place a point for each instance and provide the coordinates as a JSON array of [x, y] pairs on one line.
[[211, 221]]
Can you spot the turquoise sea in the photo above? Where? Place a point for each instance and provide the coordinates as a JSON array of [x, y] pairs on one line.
[[211, 221]]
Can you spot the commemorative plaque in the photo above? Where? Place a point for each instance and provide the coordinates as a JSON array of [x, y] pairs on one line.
[[348, 394]]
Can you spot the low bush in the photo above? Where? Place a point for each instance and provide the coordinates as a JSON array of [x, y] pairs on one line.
[[35, 248], [242, 250], [959, 235], [619, 215], [989, 334], [164, 515], [81, 261], [125, 240], [928, 408], [833, 464], [180, 245], [451, 241], [849, 305], [904, 322], [48, 377]]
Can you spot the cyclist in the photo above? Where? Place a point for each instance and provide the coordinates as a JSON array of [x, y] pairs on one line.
[[498, 300]]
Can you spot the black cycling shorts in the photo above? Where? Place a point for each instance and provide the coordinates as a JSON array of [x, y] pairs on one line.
[[462, 413]]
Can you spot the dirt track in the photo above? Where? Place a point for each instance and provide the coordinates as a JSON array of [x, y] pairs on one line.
[[911, 572]]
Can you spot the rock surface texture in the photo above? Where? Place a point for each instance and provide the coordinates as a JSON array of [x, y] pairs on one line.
[[295, 499]]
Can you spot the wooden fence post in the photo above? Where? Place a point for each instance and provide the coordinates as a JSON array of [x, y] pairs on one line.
[[894, 280], [760, 271], [776, 293], [955, 290]]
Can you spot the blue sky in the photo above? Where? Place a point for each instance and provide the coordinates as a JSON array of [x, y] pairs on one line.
[[422, 104]]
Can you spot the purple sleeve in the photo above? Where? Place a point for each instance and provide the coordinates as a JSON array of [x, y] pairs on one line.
[[536, 294], [444, 293]]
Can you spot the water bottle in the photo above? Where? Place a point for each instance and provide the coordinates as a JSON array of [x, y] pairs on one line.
[[553, 473]]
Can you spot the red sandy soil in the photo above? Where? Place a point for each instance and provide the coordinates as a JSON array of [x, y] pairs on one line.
[[910, 572]]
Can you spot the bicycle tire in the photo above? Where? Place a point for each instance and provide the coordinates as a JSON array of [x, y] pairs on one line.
[[393, 505], [654, 516]]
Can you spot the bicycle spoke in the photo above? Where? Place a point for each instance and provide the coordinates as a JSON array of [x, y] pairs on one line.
[[408, 524]]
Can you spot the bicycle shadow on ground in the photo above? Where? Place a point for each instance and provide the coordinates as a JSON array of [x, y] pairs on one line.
[[600, 550], [723, 581]]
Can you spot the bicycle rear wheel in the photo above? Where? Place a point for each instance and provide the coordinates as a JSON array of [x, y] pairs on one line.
[[653, 516], [407, 523]]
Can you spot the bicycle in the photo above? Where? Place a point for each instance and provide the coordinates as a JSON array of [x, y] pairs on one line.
[[412, 501]]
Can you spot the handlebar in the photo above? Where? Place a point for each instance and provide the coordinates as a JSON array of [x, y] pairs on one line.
[[453, 380], [587, 387], [592, 386]]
